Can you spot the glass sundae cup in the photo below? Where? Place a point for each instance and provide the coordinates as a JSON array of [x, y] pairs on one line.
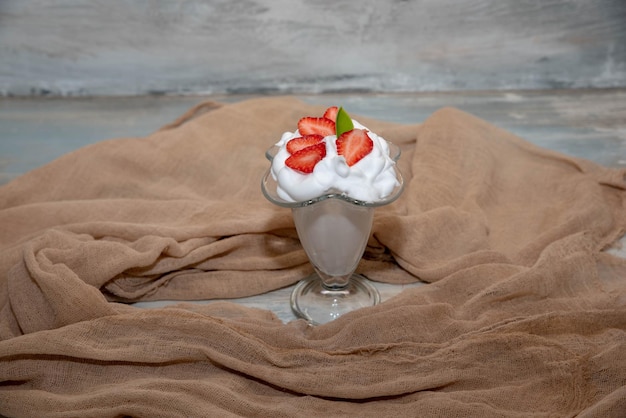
[[333, 230]]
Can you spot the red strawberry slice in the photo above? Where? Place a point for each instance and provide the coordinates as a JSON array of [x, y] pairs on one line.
[[316, 126], [305, 141], [354, 145], [306, 159], [331, 113]]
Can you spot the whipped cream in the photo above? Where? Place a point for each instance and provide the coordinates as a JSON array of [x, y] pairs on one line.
[[371, 179]]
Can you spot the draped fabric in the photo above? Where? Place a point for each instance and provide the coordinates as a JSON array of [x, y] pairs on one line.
[[524, 312]]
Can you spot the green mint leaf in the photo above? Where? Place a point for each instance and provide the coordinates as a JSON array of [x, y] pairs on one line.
[[343, 123]]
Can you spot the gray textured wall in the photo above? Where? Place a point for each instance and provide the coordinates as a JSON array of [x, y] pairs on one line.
[[126, 47]]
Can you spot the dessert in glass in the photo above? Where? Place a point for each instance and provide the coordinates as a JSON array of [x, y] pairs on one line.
[[332, 172]]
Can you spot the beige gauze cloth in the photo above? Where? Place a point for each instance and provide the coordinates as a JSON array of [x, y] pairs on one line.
[[524, 313]]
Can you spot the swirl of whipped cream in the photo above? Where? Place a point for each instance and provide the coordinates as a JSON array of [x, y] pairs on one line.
[[371, 179]]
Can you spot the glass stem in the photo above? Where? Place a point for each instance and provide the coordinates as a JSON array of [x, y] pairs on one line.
[[334, 283]]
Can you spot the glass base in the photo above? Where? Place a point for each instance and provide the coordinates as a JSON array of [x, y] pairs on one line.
[[318, 305]]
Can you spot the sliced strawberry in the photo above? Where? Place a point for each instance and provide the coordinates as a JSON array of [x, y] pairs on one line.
[[316, 126], [354, 145], [331, 113], [306, 159], [297, 144]]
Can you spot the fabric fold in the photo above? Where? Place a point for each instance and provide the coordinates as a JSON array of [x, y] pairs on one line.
[[524, 312]]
